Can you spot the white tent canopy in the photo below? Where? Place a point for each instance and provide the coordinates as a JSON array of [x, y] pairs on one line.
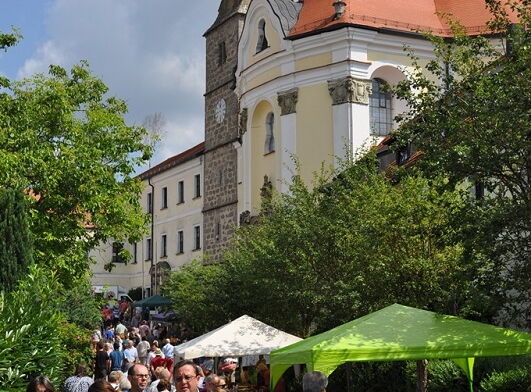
[[243, 336]]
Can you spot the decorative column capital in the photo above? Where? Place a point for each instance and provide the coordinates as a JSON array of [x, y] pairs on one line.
[[242, 126], [287, 100], [350, 90]]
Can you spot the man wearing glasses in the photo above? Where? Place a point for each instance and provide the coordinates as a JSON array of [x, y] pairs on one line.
[[186, 376], [138, 376]]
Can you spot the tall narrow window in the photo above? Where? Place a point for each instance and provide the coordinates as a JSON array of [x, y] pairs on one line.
[[149, 203], [164, 201], [135, 253], [180, 241], [180, 192], [262, 40], [163, 246], [269, 145], [149, 249], [381, 113], [218, 231], [116, 249], [197, 237], [197, 185], [222, 53]]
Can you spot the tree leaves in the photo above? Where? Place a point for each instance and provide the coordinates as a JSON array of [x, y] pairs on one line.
[[65, 142]]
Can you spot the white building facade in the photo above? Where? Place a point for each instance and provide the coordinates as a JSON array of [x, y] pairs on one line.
[[173, 197]]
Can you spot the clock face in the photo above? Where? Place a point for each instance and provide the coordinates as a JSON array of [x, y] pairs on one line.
[[220, 110]]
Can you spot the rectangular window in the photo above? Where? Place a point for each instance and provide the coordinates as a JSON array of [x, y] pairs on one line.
[[149, 203], [180, 241], [135, 253], [117, 247], [180, 192], [164, 201], [163, 246], [149, 249], [197, 185], [197, 237], [222, 54]]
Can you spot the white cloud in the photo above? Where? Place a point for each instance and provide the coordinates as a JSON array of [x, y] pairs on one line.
[[48, 53], [150, 53]]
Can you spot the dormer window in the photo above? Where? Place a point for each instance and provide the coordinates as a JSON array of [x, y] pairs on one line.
[[269, 145], [262, 43]]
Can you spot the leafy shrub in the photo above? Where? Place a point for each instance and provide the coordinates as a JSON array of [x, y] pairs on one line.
[[369, 377], [81, 306], [77, 345], [443, 375], [30, 319], [518, 379]]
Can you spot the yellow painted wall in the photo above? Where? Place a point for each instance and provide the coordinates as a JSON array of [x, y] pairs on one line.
[[373, 55], [262, 164], [273, 39], [263, 78], [394, 58], [313, 61], [314, 129]]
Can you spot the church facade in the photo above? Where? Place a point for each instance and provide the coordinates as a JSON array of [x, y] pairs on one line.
[[309, 82]]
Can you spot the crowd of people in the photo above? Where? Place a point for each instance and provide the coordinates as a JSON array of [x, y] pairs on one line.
[[141, 358], [187, 378]]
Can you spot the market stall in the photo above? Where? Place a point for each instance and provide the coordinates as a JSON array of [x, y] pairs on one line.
[[243, 336], [234, 341], [398, 333]]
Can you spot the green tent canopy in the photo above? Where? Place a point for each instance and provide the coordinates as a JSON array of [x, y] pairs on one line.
[[398, 333], [154, 300]]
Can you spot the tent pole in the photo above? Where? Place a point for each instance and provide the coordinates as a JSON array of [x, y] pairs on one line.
[[422, 375]]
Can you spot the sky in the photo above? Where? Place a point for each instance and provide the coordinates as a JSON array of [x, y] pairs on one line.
[[151, 53]]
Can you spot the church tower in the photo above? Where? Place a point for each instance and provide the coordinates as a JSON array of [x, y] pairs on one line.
[[221, 128]]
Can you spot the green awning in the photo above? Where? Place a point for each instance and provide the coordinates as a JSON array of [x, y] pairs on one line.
[[398, 333], [154, 300]]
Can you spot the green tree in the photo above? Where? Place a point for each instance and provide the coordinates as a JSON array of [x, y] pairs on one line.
[[350, 243], [469, 112], [15, 238], [65, 141], [198, 295], [80, 305]]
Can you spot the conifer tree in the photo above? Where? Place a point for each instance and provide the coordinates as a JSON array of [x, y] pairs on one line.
[[15, 239]]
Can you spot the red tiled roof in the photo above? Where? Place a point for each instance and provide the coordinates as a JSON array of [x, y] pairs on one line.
[[401, 15], [174, 161]]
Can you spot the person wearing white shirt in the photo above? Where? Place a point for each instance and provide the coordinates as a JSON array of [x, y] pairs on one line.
[[167, 349], [130, 354]]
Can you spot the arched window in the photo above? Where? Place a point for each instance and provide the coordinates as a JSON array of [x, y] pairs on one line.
[[269, 145], [380, 108], [262, 40]]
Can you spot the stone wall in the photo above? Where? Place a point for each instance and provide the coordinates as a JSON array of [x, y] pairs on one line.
[[220, 165], [218, 225]]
